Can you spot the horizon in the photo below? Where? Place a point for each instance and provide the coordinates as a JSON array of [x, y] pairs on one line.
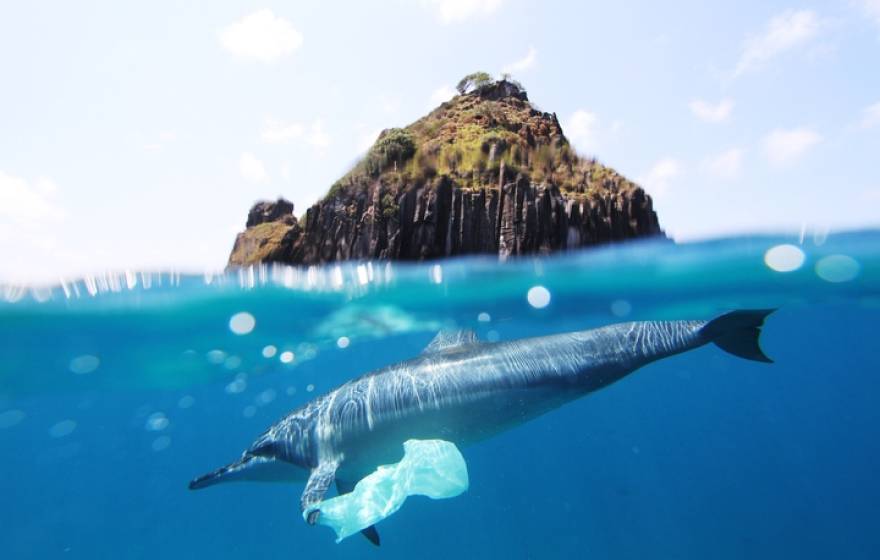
[[172, 123]]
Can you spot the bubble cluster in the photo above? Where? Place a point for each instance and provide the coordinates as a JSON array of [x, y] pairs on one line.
[[232, 362], [837, 268], [237, 385], [784, 258], [10, 418], [157, 422], [266, 397], [86, 363], [62, 429], [216, 357], [269, 351], [242, 323], [538, 297], [286, 357], [621, 308]]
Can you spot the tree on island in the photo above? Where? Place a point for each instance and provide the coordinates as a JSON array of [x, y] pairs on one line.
[[474, 82]]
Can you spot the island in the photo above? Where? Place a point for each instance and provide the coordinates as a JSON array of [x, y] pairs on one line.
[[484, 173]]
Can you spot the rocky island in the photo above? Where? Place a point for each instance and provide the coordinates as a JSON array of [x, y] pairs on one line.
[[484, 173]]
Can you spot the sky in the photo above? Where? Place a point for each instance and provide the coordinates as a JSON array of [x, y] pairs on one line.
[[137, 135]]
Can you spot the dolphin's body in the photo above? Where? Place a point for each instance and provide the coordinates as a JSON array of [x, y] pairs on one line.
[[463, 391]]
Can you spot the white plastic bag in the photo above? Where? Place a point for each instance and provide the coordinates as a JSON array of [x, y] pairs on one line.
[[433, 468]]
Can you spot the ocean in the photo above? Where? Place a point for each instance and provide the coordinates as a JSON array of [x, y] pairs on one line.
[[116, 390]]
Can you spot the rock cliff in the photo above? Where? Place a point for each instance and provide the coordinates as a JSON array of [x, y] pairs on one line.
[[483, 173]]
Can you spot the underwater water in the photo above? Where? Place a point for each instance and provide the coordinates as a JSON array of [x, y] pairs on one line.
[[116, 390]]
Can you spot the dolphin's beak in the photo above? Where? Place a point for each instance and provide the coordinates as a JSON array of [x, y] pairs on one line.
[[253, 468], [223, 473]]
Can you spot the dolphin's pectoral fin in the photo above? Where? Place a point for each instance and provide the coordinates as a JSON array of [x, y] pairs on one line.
[[372, 535], [451, 340], [316, 487]]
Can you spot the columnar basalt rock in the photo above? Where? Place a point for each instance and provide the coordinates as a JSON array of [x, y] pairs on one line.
[[438, 220]]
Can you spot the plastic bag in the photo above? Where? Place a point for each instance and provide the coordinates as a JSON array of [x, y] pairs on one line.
[[433, 468]]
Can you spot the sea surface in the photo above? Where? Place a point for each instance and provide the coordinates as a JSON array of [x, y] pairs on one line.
[[116, 390]]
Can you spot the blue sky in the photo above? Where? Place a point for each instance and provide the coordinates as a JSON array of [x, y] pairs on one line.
[[137, 136]]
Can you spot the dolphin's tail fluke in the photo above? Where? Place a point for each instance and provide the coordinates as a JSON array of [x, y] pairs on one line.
[[738, 333]]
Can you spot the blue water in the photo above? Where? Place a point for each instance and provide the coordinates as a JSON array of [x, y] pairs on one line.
[[116, 390]]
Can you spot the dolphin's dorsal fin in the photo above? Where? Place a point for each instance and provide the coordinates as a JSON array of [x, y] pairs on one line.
[[451, 340]]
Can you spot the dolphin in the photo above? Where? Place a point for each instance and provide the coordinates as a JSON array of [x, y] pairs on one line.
[[464, 391]]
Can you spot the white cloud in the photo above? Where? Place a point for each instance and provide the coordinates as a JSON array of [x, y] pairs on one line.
[[726, 165], [582, 130], [452, 11], [712, 113], [262, 36], [277, 132], [318, 136], [786, 146], [657, 180], [784, 32], [28, 204], [522, 64], [164, 137], [871, 115], [252, 169], [871, 9], [441, 94]]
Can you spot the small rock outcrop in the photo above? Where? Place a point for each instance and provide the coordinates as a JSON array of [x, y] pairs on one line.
[[484, 173]]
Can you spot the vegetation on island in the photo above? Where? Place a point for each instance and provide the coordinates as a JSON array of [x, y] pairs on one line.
[[486, 135]]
